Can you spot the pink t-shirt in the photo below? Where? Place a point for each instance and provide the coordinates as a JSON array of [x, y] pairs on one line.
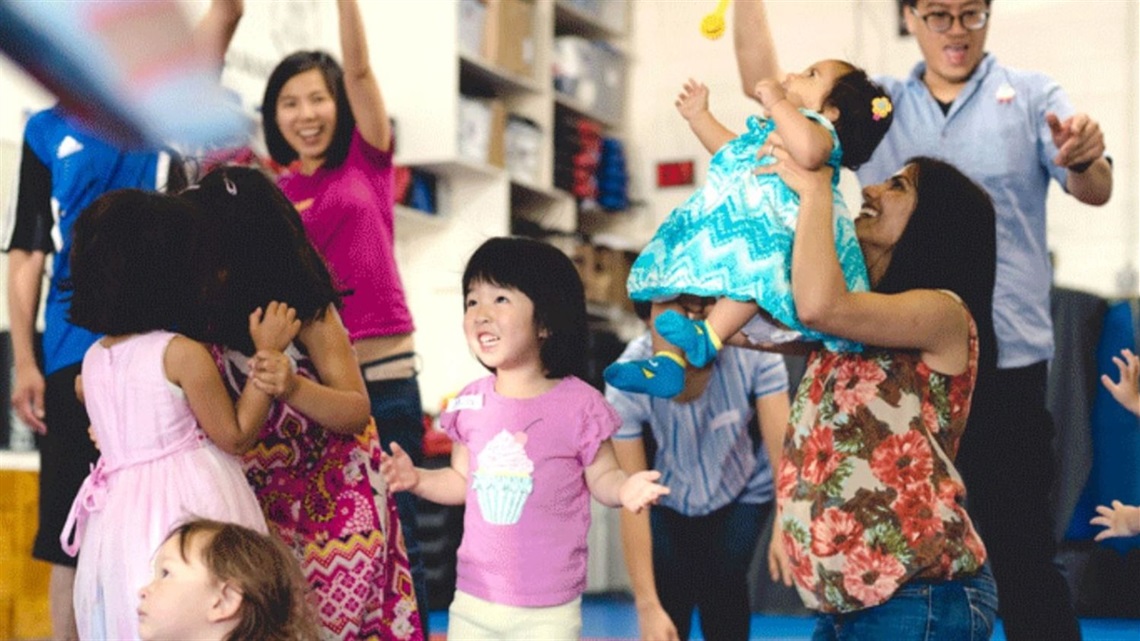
[[528, 507], [348, 218]]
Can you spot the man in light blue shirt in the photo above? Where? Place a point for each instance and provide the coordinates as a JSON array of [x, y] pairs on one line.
[[693, 549], [1012, 132]]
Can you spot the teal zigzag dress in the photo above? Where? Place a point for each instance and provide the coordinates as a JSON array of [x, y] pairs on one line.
[[733, 237]]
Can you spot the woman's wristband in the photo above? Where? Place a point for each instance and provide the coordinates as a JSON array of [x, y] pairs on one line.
[[1081, 167]]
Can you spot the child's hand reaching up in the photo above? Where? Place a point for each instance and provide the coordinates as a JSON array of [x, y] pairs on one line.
[[1120, 519], [693, 99], [769, 92], [639, 490], [399, 472], [274, 328], [1127, 390]]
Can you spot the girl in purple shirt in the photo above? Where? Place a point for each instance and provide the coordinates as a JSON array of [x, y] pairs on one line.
[[532, 444]]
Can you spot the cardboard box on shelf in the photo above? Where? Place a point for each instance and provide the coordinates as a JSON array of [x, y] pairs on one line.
[[508, 39], [482, 130], [497, 151]]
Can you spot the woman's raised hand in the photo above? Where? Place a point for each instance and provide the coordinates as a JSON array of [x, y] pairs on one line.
[[274, 328], [798, 179]]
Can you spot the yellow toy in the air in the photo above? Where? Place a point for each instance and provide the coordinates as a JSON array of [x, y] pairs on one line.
[[712, 25]]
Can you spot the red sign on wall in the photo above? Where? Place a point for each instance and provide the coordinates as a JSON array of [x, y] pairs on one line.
[[674, 174]]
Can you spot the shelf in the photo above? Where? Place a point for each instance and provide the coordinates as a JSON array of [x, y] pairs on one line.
[[572, 104], [536, 191], [458, 168], [418, 217], [569, 20], [479, 76]]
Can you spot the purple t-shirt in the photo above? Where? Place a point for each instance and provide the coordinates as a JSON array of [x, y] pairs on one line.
[[347, 213], [528, 507]]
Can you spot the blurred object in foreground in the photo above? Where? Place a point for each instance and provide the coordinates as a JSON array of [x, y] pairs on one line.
[[128, 70]]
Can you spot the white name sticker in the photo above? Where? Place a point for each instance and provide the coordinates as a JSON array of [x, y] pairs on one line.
[[465, 402]]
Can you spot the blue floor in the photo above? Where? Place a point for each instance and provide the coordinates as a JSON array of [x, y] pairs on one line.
[[609, 617]]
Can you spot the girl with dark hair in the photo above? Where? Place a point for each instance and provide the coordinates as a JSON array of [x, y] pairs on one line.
[[732, 239], [872, 509], [218, 581], [531, 445], [165, 426], [316, 465], [330, 128]]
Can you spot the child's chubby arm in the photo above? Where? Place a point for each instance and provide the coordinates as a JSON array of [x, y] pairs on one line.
[[446, 486], [693, 105], [1120, 519], [807, 141], [1127, 390], [614, 488], [188, 364], [339, 401]]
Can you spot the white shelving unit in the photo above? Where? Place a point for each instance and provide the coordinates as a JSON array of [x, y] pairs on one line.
[[423, 70]]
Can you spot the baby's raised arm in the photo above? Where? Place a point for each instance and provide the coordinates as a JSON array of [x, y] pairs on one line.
[[693, 104], [808, 142]]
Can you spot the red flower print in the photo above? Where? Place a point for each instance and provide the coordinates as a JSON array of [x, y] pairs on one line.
[[800, 561], [930, 418], [902, 460], [949, 490], [815, 393], [834, 532], [856, 383], [918, 513], [871, 576], [820, 457], [786, 481]]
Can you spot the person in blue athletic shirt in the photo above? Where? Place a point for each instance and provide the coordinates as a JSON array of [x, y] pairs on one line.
[[63, 168]]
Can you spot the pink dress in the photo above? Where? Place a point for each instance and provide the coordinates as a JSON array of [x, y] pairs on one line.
[[156, 469], [323, 495]]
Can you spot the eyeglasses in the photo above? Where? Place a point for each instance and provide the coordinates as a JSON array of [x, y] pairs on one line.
[[941, 21]]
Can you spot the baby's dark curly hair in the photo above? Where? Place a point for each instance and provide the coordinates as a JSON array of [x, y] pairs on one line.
[[859, 131]]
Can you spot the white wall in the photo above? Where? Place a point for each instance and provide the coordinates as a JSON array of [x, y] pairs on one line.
[[1089, 46]]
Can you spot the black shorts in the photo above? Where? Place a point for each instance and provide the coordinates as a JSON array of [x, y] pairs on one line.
[[66, 455]]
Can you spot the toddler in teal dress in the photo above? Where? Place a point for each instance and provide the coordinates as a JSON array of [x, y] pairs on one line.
[[732, 239]]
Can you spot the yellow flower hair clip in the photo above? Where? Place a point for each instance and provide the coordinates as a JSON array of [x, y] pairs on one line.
[[881, 107]]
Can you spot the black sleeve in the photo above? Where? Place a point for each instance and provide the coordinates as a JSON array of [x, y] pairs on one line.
[[31, 229]]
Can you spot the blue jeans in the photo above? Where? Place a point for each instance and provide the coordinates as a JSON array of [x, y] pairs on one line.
[[959, 610], [702, 562], [398, 412]]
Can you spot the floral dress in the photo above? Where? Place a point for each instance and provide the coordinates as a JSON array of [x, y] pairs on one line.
[[322, 493], [868, 494], [733, 237]]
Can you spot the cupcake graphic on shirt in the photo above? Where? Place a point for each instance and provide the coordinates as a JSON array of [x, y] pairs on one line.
[[504, 478]]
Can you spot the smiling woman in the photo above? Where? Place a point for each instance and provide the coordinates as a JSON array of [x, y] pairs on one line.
[[871, 506], [328, 127]]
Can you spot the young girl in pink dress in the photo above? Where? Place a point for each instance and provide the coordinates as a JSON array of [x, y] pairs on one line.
[[165, 427], [316, 466]]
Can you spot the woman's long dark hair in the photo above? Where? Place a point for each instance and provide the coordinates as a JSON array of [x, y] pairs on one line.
[[950, 243]]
